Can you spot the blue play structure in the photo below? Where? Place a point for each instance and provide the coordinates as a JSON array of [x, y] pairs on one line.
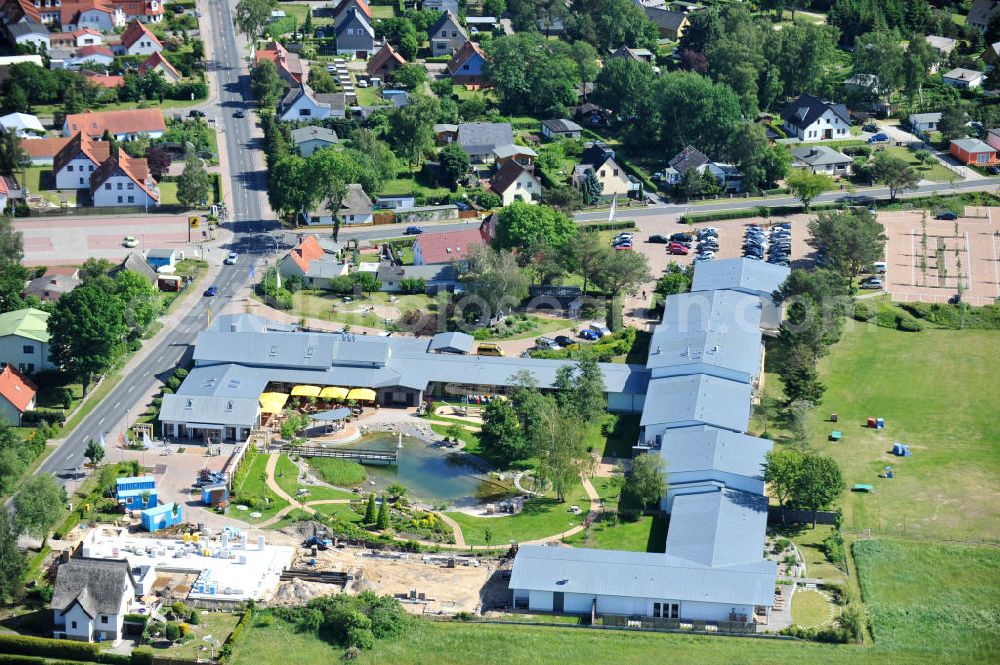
[[160, 517], [879, 423], [887, 473], [900, 449], [129, 491]]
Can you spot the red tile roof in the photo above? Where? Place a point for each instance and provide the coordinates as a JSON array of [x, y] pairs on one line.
[[344, 4], [43, 148], [308, 251], [132, 121], [81, 144], [17, 388], [135, 31], [71, 10], [139, 7], [446, 247], [382, 58], [154, 61], [103, 80], [93, 49], [134, 168], [290, 63], [468, 49], [15, 9]]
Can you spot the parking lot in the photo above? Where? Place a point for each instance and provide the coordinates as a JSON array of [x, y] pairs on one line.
[[52, 241], [930, 272]]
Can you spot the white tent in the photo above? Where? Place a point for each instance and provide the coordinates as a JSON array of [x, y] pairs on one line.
[[22, 122]]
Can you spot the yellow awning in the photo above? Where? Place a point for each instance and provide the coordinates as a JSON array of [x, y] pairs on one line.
[[362, 394], [272, 402], [305, 391], [333, 392]]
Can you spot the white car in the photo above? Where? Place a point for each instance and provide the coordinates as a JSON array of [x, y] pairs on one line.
[[231, 259], [130, 241]]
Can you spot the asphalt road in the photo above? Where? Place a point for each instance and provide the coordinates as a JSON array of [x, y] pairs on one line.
[[246, 221]]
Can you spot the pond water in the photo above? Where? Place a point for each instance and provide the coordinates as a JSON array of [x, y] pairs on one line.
[[431, 472]]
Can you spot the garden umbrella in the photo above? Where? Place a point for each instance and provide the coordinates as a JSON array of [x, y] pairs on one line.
[[305, 391], [362, 394], [272, 402], [333, 392]]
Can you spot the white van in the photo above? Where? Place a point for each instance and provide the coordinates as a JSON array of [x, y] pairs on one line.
[[879, 267]]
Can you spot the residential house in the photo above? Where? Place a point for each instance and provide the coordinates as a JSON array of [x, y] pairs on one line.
[[964, 79], [147, 11], [51, 287], [17, 395], [521, 154], [385, 61], [821, 159], [288, 64], [944, 46], [435, 248], [441, 6], [42, 152], [90, 55], [9, 189], [600, 159], [354, 33], [340, 11], [991, 54], [590, 113], [24, 124], [91, 598], [397, 202], [77, 161], [138, 40], [980, 14], [993, 138], [160, 257], [447, 35], [99, 15], [637, 54], [355, 209], [311, 138], [302, 104], [481, 139], [103, 80], [973, 152], [561, 129], [156, 62], [315, 261], [123, 125], [924, 122], [690, 158], [513, 182], [24, 340], [447, 133], [29, 32], [77, 38], [466, 66], [809, 118], [670, 23], [437, 277], [123, 181]]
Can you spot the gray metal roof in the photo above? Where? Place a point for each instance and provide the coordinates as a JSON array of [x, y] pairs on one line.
[[452, 341], [97, 584], [728, 347], [560, 125], [712, 310], [313, 133], [973, 145], [640, 575], [433, 273], [481, 138], [739, 274], [224, 381], [698, 398], [248, 323], [925, 117], [718, 528], [209, 409], [819, 155], [264, 349], [704, 448]]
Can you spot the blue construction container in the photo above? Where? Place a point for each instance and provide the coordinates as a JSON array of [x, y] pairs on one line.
[[136, 492], [161, 517]]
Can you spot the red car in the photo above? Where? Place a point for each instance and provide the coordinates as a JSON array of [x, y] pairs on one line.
[[677, 249], [624, 245]]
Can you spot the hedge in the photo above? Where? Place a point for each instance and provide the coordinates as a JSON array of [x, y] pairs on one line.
[[38, 416], [607, 226], [718, 215], [234, 637], [36, 646]]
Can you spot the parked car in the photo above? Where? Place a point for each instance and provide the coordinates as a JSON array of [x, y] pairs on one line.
[[624, 235], [785, 225], [993, 170], [547, 344], [678, 250], [564, 341], [489, 349], [870, 127], [658, 239], [195, 113], [211, 291], [881, 137], [946, 214], [232, 258], [588, 334], [871, 283], [681, 237], [413, 231], [624, 246], [130, 241]]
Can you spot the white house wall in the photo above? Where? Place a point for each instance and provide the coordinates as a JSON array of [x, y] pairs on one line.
[[540, 600], [76, 174], [117, 186], [12, 352]]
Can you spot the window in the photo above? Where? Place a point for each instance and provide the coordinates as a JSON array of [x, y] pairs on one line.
[[120, 200], [91, 167], [73, 624], [70, 168], [120, 186], [465, 68], [131, 199], [107, 185], [131, 185], [616, 172], [28, 348], [81, 181], [104, 619], [982, 157]]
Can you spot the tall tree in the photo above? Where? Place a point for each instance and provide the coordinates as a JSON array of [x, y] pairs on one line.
[[141, 300], [531, 74], [581, 390], [382, 521], [265, 84], [586, 257], [412, 128], [894, 172], [158, 160], [288, 186], [87, 331], [454, 164], [501, 436], [848, 241], [194, 184], [494, 276], [692, 110], [523, 226], [12, 156], [624, 86], [250, 17], [781, 473], [953, 122], [94, 452], [12, 561], [647, 481], [558, 442], [621, 272], [761, 164], [11, 244], [819, 483], [806, 186], [38, 505], [880, 54], [609, 24]]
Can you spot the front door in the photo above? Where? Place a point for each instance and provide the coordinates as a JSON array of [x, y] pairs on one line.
[[557, 601], [827, 133]]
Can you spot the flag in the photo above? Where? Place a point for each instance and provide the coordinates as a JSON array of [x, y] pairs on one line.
[[611, 213], [277, 278], [146, 443], [101, 440]]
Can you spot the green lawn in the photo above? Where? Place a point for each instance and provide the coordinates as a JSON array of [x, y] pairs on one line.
[[937, 391], [216, 624], [369, 96], [340, 472], [457, 643], [643, 535], [937, 172], [254, 485], [34, 180], [940, 600], [286, 474], [810, 541], [325, 306], [383, 11], [539, 325], [541, 517], [810, 608]]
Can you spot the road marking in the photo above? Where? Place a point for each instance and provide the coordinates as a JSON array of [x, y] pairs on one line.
[[131, 388], [968, 257], [116, 405], [101, 421], [913, 257], [160, 359]]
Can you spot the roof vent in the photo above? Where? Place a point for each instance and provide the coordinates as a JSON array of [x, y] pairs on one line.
[[189, 404]]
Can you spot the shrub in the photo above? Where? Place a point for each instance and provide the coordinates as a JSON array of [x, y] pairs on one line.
[[862, 312], [181, 373], [36, 646], [173, 383], [35, 417], [195, 618], [172, 631], [833, 547], [142, 656]]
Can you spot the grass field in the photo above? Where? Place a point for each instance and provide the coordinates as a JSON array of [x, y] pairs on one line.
[[937, 171], [541, 517], [339, 472], [216, 624], [643, 535], [327, 307], [937, 391], [810, 608], [939, 600], [254, 486], [440, 643], [286, 474]]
